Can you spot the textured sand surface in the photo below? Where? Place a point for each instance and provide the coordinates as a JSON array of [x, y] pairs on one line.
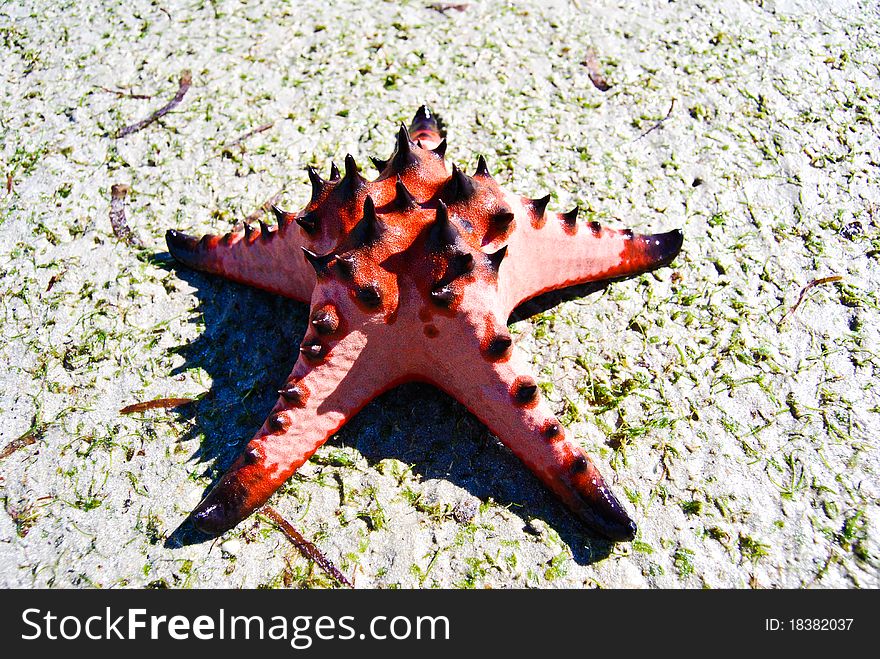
[[746, 449]]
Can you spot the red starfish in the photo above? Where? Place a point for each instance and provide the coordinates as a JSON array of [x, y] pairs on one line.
[[412, 276]]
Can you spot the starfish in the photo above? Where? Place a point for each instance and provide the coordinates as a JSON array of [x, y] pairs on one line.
[[411, 277]]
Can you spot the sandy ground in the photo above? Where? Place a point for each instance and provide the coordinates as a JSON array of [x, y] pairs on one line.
[[746, 449]]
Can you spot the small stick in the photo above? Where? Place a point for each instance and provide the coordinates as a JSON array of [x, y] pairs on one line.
[[120, 93], [164, 403], [118, 192], [443, 7], [185, 82], [815, 282], [20, 442], [250, 133], [305, 547], [596, 77], [657, 125], [8, 183]]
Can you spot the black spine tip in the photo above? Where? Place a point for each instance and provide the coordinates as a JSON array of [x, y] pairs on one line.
[[482, 168], [525, 392], [252, 455], [309, 222], [313, 349], [370, 209], [370, 296], [317, 183], [502, 218], [276, 423], [442, 296], [495, 258], [540, 205], [403, 140], [352, 181], [346, 265], [296, 394], [281, 217], [442, 216], [461, 264], [369, 229], [552, 430], [459, 187], [440, 149], [443, 234], [403, 156], [351, 168], [319, 263], [403, 199], [334, 172], [378, 163], [324, 322], [570, 218], [499, 346]]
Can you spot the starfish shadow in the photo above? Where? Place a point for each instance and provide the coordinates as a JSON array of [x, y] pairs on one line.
[[440, 439], [248, 347]]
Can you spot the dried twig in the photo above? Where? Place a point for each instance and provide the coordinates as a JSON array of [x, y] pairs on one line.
[[9, 184], [185, 82], [54, 280], [118, 192], [595, 73], [121, 92], [20, 442], [305, 547], [443, 7], [164, 403], [815, 282], [250, 133], [658, 124], [264, 208]]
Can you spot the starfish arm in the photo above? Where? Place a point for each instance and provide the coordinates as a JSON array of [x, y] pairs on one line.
[[263, 257], [553, 251], [316, 400], [492, 379]]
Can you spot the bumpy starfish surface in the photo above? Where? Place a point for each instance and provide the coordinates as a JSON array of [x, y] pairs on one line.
[[411, 277]]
